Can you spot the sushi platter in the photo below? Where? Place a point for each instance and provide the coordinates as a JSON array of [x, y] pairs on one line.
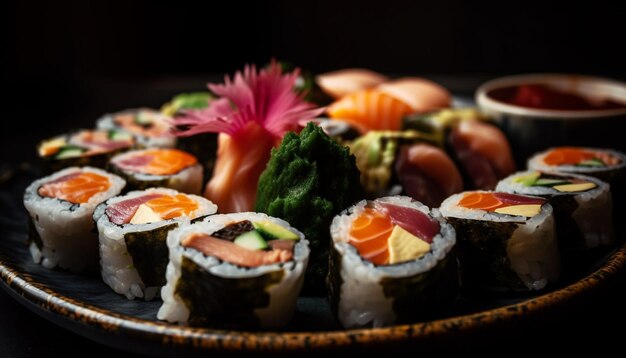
[[285, 212]]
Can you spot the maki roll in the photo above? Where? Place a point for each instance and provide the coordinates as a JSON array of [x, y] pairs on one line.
[[582, 205], [84, 147], [604, 164], [505, 241], [241, 270], [149, 127], [60, 207], [159, 167], [391, 261], [133, 229]]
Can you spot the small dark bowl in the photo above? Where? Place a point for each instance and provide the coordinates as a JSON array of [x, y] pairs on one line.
[[531, 130]]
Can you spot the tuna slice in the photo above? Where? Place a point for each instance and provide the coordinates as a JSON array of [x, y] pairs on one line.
[[512, 199], [121, 212], [411, 220], [235, 254]]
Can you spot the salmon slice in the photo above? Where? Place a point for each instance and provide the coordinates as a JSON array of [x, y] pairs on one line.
[[370, 110], [343, 82], [121, 212], [168, 207], [493, 201], [575, 155], [233, 253], [156, 161], [420, 94], [427, 174], [369, 233], [483, 151], [77, 188]]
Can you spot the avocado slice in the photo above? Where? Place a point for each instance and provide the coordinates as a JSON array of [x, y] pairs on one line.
[[528, 179], [572, 188], [119, 135], [251, 240], [70, 151], [527, 210], [550, 182], [271, 231]]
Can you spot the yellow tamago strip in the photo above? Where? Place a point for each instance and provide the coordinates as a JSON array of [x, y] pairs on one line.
[[404, 246]]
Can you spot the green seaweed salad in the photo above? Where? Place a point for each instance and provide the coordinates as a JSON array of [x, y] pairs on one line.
[[309, 179]]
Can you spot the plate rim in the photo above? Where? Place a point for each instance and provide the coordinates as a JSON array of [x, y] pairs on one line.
[[21, 285]]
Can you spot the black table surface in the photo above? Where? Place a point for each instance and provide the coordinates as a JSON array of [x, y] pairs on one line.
[[25, 334]]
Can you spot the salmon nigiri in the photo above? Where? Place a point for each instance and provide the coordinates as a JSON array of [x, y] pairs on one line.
[[254, 112], [370, 110], [420, 94]]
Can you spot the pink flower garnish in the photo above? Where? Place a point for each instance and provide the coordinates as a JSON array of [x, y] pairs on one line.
[[254, 112]]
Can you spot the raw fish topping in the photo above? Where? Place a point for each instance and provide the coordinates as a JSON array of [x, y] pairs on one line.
[[388, 234], [247, 243], [156, 161], [144, 122], [162, 206], [77, 188], [562, 184], [502, 203], [85, 143], [580, 157]]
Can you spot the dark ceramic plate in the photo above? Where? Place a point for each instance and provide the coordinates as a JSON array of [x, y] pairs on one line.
[[88, 307]]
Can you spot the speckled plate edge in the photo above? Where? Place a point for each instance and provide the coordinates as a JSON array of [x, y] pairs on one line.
[[51, 305]]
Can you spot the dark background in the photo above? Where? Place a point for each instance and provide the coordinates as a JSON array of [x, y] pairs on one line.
[[66, 63]]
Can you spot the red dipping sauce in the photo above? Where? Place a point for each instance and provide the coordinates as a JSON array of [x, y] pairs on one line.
[[543, 96]]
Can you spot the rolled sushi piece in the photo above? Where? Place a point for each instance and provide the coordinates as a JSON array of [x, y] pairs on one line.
[[505, 241], [84, 147], [242, 270], [132, 233], [605, 164], [60, 207], [150, 127], [583, 208], [159, 167], [391, 261]]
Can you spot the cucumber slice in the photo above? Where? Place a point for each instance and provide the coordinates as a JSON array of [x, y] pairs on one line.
[[550, 182], [70, 152], [591, 163], [251, 240], [271, 231]]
